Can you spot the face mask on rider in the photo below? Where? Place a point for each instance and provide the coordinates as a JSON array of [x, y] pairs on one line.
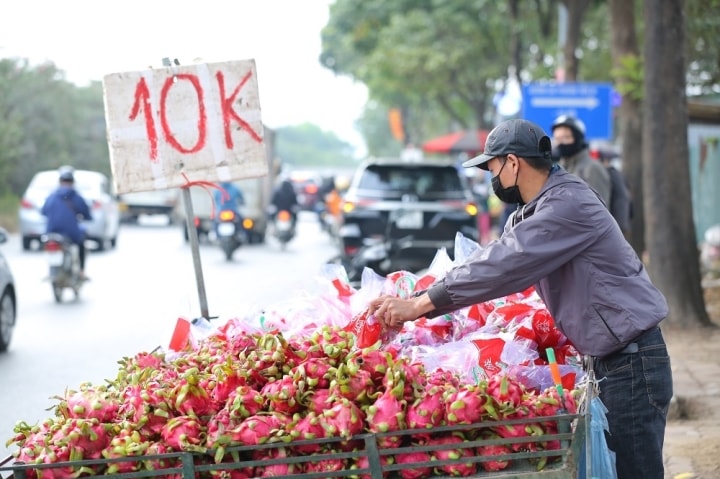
[[510, 194]]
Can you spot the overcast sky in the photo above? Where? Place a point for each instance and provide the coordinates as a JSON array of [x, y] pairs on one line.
[[88, 39]]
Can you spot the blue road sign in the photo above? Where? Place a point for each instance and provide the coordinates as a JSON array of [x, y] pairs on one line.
[[590, 102]]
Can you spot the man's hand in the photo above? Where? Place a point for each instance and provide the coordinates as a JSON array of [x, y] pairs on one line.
[[392, 312]]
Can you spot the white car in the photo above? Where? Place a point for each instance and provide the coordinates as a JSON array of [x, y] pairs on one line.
[[94, 186], [7, 299]]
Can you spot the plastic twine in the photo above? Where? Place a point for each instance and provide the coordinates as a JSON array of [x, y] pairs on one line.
[[207, 185]]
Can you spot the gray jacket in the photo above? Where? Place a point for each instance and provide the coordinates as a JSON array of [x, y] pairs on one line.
[[566, 244], [593, 172]]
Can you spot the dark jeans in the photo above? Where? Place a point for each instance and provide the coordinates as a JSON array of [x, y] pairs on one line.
[[637, 388]]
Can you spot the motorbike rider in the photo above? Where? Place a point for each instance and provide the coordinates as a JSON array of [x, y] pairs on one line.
[[65, 210], [285, 198], [228, 197]]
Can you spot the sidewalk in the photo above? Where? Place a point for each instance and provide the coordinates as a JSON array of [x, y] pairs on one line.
[[692, 437]]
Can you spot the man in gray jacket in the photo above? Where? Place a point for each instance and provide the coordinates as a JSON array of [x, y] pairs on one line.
[[564, 241], [572, 149]]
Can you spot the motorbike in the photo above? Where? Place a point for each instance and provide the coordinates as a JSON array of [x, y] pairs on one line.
[[710, 252], [64, 261], [231, 232], [377, 253], [283, 228]]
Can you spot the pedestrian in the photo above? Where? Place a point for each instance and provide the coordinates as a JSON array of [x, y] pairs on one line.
[[563, 241], [572, 150], [66, 210]]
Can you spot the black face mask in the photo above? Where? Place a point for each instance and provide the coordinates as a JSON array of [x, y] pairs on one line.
[[510, 194], [571, 149]]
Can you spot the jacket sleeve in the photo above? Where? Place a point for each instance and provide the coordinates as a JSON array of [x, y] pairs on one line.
[[561, 228], [81, 207], [598, 178]]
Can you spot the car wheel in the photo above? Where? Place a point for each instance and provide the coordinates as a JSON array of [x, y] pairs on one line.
[[26, 243], [7, 319]]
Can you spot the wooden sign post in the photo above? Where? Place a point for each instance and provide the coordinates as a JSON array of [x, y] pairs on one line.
[[177, 126]]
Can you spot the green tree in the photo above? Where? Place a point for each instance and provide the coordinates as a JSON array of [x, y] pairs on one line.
[[670, 233], [308, 145]]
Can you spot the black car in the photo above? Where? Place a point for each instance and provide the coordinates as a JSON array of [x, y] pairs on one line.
[[421, 204]]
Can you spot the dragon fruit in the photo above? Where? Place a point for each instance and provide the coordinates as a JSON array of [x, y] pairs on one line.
[[89, 402], [261, 428], [244, 402], [410, 458], [426, 411], [357, 386], [494, 450], [387, 413], [319, 400], [467, 404], [184, 433], [456, 454], [307, 427], [344, 419], [277, 470], [282, 395], [314, 371]]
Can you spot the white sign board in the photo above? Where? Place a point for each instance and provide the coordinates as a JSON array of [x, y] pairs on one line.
[[170, 127]]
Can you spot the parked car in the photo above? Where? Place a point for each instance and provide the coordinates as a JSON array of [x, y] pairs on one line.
[[157, 202], [8, 299], [427, 203], [94, 186]]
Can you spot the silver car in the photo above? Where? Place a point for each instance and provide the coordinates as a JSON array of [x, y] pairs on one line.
[[94, 186], [7, 299]]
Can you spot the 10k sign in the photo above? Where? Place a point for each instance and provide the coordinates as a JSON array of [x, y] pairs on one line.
[[171, 126]]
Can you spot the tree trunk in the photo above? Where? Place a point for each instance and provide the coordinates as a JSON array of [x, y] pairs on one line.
[[576, 11], [624, 45], [670, 232]]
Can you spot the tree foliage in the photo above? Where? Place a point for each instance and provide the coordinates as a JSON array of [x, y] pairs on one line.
[[308, 145], [47, 122]]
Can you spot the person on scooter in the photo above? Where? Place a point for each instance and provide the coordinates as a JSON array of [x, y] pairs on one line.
[[230, 197], [285, 198], [65, 210]]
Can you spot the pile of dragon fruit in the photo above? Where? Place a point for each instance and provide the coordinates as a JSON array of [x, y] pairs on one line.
[[290, 374]]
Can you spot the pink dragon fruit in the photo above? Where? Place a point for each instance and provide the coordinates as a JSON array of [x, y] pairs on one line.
[[319, 401], [344, 419], [409, 459], [494, 450], [314, 371], [467, 405], [387, 413], [89, 402], [244, 402], [261, 428], [356, 386], [184, 433], [308, 427], [282, 395], [457, 468], [506, 392], [363, 462], [324, 465], [426, 411], [277, 470]]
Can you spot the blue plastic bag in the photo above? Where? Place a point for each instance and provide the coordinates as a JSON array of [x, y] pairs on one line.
[[602, 458]]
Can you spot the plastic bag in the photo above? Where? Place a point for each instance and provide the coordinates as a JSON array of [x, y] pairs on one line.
[[602, 458]]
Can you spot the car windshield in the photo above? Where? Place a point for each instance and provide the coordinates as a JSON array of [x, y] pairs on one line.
[[420, 180]]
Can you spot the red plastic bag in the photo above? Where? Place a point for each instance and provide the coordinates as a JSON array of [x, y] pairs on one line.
[[366, 329]]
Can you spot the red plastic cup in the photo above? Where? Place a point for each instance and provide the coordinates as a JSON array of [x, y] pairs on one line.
[[180, 335]]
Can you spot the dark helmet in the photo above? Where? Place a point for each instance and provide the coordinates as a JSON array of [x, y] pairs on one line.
[[575, 124], [67, 174]]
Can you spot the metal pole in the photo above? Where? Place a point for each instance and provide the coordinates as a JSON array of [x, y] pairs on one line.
[[194, 247]]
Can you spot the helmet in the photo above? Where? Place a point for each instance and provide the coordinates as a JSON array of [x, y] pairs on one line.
[[66, 174], [576, 125]]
